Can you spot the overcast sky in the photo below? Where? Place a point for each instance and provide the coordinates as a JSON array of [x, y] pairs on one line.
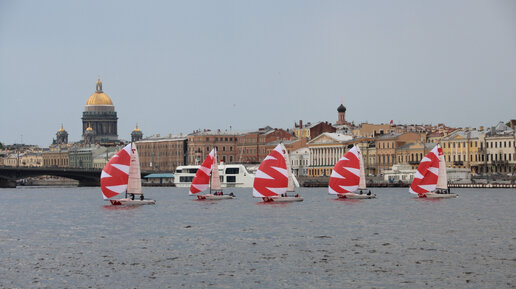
[[177, 66]]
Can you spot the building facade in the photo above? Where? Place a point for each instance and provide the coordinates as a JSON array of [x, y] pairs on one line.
[[162, 154]]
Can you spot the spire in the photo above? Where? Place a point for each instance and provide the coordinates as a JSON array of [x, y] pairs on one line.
[[99, 85], [62, 128]]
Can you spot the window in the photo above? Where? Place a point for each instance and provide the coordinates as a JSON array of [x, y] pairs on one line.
[[232, 171], [186, 179], [230, 179]]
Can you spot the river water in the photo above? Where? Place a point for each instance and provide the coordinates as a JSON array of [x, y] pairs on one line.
[[71, 238]]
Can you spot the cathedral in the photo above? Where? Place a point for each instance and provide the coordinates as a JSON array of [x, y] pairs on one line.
[[99, 119]]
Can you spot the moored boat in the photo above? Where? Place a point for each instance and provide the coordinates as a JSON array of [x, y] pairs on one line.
[[271, 181], [431, 180], [347, 180], [122, 175]]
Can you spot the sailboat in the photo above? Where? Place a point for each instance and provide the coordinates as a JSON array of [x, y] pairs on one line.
[[207, 177], [122, 175], [271, 181], [348, 177], [431, 180]]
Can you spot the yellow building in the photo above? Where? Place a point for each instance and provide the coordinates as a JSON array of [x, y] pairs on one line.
[[461, 149]]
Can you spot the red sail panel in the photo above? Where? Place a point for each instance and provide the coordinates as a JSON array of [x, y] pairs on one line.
[[345, 175], [271, 178], [201, 181], [115, 175], [427, 173]]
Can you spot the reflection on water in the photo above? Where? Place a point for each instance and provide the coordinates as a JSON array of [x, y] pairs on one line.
[[68, 237]]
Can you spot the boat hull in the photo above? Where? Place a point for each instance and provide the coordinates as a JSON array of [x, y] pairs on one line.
[[282, 199], [355, 196], [129, 202], [438, 196], [214, 197]]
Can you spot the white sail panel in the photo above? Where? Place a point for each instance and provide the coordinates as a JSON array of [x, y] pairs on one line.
[[134, 185], [362, 183], [215, 178], [442, 177], [290, 187]]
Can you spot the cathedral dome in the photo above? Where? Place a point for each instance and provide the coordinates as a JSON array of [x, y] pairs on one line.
[[99, 97]]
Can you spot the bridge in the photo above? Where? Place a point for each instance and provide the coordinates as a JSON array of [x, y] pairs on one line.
[[87, 177]]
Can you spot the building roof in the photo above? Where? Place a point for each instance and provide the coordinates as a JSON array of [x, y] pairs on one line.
[[158, 176]]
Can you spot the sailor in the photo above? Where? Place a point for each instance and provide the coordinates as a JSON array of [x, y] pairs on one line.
[[231, 194], [141, 197], [369, 193], [132, 196]]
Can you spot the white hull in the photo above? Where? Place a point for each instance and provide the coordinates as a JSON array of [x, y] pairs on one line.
[[283, 199], [355, 196], [129, 202], [214, 197], [439, 196]]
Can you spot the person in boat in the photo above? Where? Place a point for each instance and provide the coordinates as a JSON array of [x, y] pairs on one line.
[[369, 193], [360, 192], [297, 195], [141, 197], [132, 197], [231, 194]]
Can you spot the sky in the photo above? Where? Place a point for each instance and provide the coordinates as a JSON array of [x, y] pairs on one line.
[[177, 66]]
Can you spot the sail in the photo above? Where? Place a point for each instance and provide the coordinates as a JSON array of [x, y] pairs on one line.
[[291, 183], [362, 183], [442, 178], [134, 185], [115, 175], [215, 178], [201, 180], [271, 178], [425, 179], [345, 175]]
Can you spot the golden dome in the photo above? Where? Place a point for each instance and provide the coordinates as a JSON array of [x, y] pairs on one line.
[[99, 97], [61, 129], [136, 129], [89, 128]]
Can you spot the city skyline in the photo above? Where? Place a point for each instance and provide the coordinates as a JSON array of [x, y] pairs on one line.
[[181, 66]]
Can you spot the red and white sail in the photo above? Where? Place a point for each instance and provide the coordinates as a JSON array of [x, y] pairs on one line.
[[201, 181], [271, 178], [345, 176], [427, 173], [115, 175]]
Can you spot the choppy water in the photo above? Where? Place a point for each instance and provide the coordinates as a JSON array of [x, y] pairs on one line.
[[68, 238]]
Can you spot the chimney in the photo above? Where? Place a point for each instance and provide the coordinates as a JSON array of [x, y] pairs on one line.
[[301, 123]]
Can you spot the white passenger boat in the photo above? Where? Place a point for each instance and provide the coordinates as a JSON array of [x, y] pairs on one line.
[[122, 175], [274, 178], [207, 177], [431, 180], [347, 179], [231, 176]]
